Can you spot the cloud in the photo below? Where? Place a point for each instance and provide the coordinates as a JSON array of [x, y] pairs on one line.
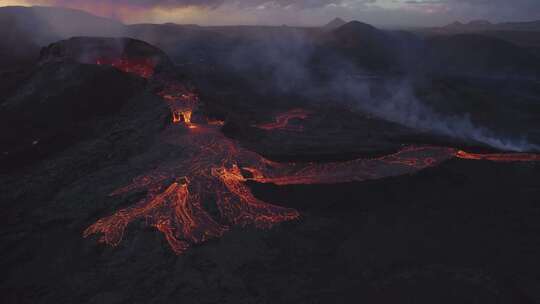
[[497, 10], [164, 4], [137, 3], [303, 12]]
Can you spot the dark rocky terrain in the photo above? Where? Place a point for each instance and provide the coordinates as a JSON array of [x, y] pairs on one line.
[[72, 132]]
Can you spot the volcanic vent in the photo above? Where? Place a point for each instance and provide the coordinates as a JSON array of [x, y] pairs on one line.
[[64, 100], [129, 55]]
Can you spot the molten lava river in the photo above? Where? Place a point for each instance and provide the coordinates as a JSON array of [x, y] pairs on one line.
[[215, 168]]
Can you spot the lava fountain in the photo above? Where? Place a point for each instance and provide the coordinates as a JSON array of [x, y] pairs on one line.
[[181, 100]]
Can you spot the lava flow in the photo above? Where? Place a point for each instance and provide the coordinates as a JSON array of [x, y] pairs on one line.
[[213, 169], [143, 67], [182, 102], [282, 120], [174, 211], [499, 157]]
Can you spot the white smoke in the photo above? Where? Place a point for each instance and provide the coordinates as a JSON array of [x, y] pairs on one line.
[[403, 107]]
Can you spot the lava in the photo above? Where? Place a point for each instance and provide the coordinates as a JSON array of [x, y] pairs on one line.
[[249, 210], [181, 100], [143, 67], [214, 169], [499, 157], [211, 171], [182, 116], [281, 121], [406, 161], [174, 211]]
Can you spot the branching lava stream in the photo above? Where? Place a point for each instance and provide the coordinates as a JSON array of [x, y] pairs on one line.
[[215, 168]]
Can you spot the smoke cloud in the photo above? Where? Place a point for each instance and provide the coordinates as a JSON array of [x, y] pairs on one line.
[[288, 63], [301, 12], [405, 108]]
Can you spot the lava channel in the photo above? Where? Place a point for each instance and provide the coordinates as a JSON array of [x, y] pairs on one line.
[[499, 157]]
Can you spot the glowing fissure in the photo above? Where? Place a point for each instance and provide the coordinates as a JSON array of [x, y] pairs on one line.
[[281, 121], [143, 67], [499, 157], [215, 168]]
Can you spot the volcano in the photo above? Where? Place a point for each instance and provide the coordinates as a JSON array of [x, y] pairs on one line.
[[334, 24], [251, 164], [216, 168]]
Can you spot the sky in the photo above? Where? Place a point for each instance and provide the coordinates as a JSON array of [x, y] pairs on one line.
[[301, 12]]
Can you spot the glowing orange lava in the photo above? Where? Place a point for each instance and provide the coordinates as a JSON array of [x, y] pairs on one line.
[[406, 161], [174, 211], [281, 121], [143, 67], [182, 116], [213, 170], [499, 157], [214, 122], [181, 100]]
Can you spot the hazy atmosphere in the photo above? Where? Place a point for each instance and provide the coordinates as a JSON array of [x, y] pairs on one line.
[[256, 151], [301, 12]]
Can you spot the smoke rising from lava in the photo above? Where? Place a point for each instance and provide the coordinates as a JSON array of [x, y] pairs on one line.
[[405, 108], [289, 62]]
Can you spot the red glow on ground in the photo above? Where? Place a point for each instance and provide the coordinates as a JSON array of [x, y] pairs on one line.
[[499, 157], [143, 67], [281, 121], [174, 211], [182, 101]]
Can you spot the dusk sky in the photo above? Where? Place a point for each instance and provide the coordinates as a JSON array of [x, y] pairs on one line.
[[302, 12]]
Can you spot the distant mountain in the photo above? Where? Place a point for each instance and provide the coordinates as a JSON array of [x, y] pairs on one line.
[[358, 35], [466, 54], [520, 26], [484, 25], [479, 55], [371, 48], [365, 44], [472, 26], [480, 23], [334, 24]]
